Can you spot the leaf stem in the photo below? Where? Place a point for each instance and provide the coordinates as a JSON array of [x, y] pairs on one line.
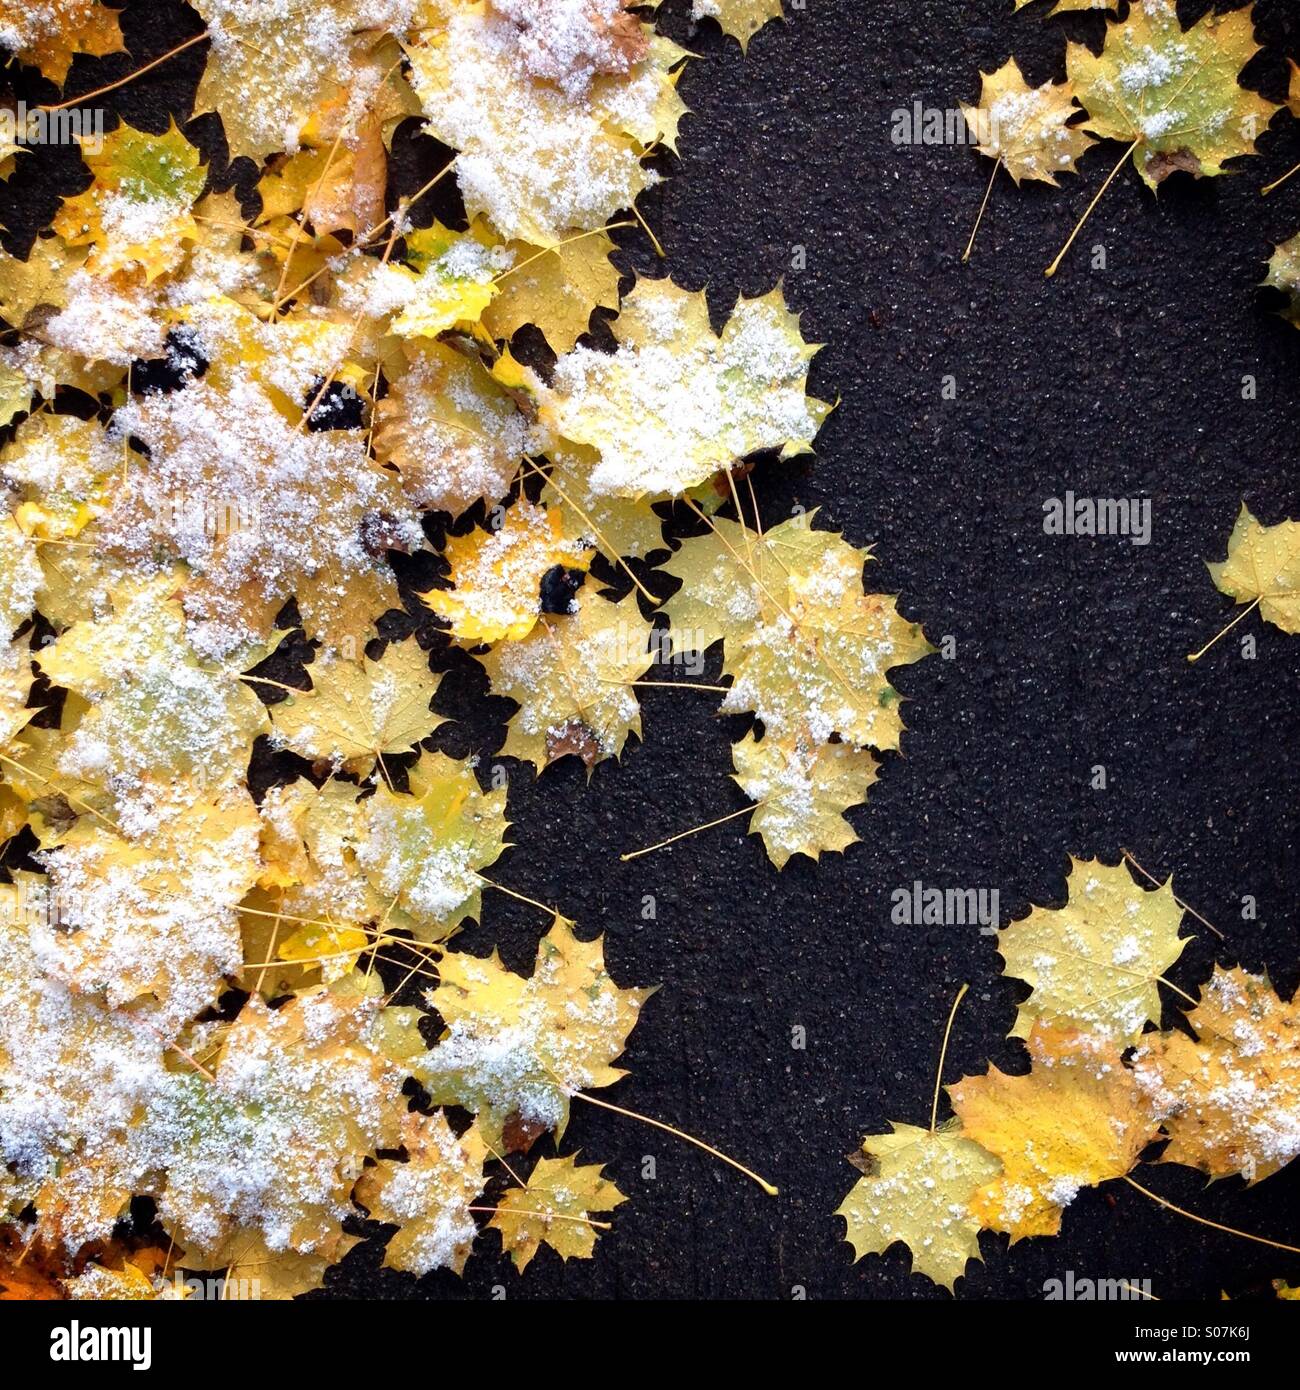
[[547, 1216], [997, 164], [680, 1134], [694, 830], [1191, 911], [1055, 265], [1205, 1221], [131, 76], [1196, 656], [943, 1057], [1277, 183]]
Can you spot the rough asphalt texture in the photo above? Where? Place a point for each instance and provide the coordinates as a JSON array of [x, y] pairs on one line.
[[1070, 653]]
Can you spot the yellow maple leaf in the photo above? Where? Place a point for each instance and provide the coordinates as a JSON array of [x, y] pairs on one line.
[[616, 525], [16, 392], [1284, 275], [41, 279], [1231, 1096], [244, 1265], [742, 19], [1078, 1118], [544, 150], [1263, 567], [51, 34], [339, 187], [807, 648], [1096, 962], [1027, 129], [1062, 6], [138, 211], [129, 1284], [274, 71], [15, 687], [677, 403], [424, 849], [513, 1049], [358, 711], [321, 946], [552, 1208], [311, 873], [571, 679], [1172, 93], [155, 915], [497, 575], [260, 508], [154, 714], [455, 436], [429, 1196], [272, 1143], [456, 279], [802, 789], [61, 464], [917, 1190], [554, 289], [20, 576]]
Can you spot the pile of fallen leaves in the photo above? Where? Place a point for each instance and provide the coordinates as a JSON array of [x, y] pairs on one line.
[[1105, 1088], [230, 420]]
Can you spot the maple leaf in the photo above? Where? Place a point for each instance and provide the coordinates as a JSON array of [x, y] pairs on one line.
[[260, 508], [918, 1188], [51, 34], [62, 465], [67, 1113], [153, 713], [555, 289], [16, 392], [340, 187], [456, 280], [616, 525], [425, 849], [429, 1196], [155, 915], [332, 950], [676, 403], [1027, 129], [544, 151], [802, 789], [21, 576], [516, 1049], [571, 678], [138, 209], [1078, 1118], [1263, 567], [273, 1145], [41, 279], [130, 1284], [15, 687], [1095, 963], [1172, 92], [453, 434], [272, 66], [742, 19], [1231, 1096], [552, 1207], [1284, 275], [497, 575], [311, 873], [357, 711], [807, 648]]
